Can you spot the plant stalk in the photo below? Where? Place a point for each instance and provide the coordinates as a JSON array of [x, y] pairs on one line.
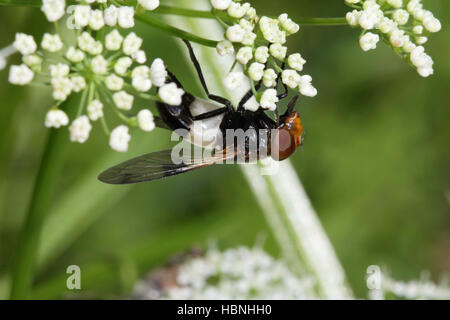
[[44, 186]]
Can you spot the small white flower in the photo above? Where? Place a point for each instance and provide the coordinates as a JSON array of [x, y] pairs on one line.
[[269, 99], [387, 25], [353, 18], [95, 110], [420, 59], [111, 15], [249, 38], [32, 60], [96, 20], [235, 33], [131, 44], [158, 72], [120, 138], [142, 84], [221, 4], [56, 118], [256, 71], [139, 56], [395, 3], [113, 40], [397, 38], [290, 26], [114, 83], [270, 78], [247, 25], [271, 31], [88, 44], [421, 40], [171, 94], [141, 71], [25, 44], [290, 78], [59, 70], [80, 129], [401, 16], [75, 55], [53, 9], [236, 10], [278, 51], [149, 4], [123, 100], [369, 41], [81, 15], [368, 19], [78, 83], [418, 29], [145, 120], [296, 61], [306, 87], [99, 65], [126, 17], [432, 24], [244, 55], [224, 48], [262, 54], [352, 1], [122, 65], [408, 46], [51, 43], [234, 80], [62, 87]]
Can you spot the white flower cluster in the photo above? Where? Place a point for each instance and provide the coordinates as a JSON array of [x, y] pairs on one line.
[[239, 273], [403, 24], [110, 71], [260, 47], [95, 14], [422, 289]]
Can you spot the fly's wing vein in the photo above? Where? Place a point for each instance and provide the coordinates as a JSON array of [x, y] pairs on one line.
[[156, 165]]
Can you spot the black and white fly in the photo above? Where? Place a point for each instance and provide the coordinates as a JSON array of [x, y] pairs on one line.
[[284, 134]]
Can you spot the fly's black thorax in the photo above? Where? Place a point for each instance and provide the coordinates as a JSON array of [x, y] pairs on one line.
[[248, 131]]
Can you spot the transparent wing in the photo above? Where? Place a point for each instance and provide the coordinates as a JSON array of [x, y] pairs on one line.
[[156, 165]]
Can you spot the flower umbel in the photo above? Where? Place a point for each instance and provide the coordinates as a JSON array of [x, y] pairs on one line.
[[404, 25], [260, 46], [104, 71], [239, 273]]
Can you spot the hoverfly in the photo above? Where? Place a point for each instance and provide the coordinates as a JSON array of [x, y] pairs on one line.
[[196, 112]]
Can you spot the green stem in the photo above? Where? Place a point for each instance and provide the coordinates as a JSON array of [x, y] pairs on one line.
[[155, 23], [184, 12], [191, 13], [48, 174], [209, 15], [321, 21]]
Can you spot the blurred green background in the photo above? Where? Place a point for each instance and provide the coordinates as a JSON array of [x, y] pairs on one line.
[[376, 164]]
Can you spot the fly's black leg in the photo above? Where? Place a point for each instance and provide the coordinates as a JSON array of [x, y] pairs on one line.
[[285, 93], [213, 97], [248, 95], [174, 79], [210, 114]]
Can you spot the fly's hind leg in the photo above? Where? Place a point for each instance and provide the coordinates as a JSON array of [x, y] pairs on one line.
[[213, 97]]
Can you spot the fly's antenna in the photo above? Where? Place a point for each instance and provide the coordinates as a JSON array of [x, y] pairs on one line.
[[291, 106]]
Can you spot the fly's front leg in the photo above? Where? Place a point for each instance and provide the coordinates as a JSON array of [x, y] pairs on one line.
[[210, 114], [213, 97]]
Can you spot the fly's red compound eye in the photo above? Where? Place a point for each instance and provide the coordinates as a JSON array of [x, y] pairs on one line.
[[283, 145]]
